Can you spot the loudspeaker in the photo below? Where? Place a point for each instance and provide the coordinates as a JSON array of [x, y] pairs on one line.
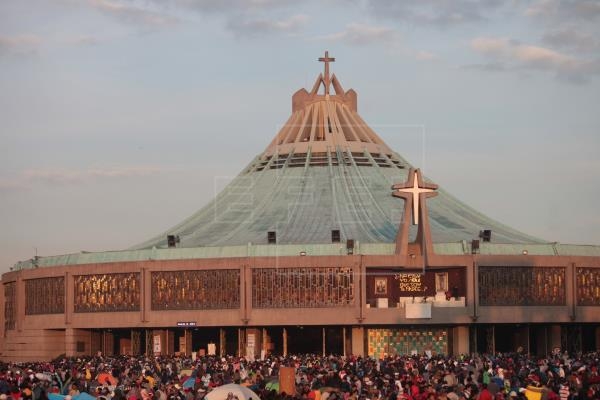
[[485, 235], [335, 236], [172, 240], [271, 237], [350, 246], [474, 246]]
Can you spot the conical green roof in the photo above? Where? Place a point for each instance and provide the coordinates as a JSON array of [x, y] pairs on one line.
[[325, 170]]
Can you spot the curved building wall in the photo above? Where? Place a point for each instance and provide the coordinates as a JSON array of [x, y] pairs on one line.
[[50, 311]]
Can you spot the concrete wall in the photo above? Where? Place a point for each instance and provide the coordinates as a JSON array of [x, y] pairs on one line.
[[72, 336], [33, 344]]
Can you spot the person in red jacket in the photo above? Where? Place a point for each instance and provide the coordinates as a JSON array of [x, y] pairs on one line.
[[485, 394]]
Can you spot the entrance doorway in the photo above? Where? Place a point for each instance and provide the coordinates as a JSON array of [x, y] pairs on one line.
[[204, 338], [305, 340]]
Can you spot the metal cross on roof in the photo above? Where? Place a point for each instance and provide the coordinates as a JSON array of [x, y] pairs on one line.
[[418, 187], [326, 60]]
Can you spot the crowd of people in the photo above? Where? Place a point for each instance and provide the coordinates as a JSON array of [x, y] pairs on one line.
[[486, 377]]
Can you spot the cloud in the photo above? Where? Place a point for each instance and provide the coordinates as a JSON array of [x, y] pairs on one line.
[[572, 40], [144, 17], [434, 12], [227, 6], [423, 55], [82, 40], [565, 10], [523, 56], [360, 34], [26, 179], [242, 17], [8, 185], [488, 67], [525, 53], [19, 44], [244, 26]]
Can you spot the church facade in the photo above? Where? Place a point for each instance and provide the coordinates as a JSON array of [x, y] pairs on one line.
[[327, 242]]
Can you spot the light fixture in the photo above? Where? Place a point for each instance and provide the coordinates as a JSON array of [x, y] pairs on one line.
[[525, 252], [302, 253], [412, 255]]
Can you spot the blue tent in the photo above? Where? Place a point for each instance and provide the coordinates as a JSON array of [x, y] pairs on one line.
[[189, 383], [84, 396]]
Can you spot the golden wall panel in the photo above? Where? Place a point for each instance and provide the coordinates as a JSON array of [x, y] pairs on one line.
[[588, 286], [45, 296], [10, 305], [107, 292], [196, 290], [302, 287], [522, 286]]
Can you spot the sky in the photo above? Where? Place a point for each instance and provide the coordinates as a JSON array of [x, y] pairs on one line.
[[118, 118]]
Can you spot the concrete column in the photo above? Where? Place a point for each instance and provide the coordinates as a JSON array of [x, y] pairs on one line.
[[70, 344], [145, 296], [344, 341], [358, 341], [571, 291], [108, 343], [222, 342], [69, 298], [323, 342], [241, 335], [188, 343], [242, 295], [285, 342], [460, 340], [246, 283], [2, 318], [472, 290]]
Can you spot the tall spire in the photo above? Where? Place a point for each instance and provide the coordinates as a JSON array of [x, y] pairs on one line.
[[327, 79]]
